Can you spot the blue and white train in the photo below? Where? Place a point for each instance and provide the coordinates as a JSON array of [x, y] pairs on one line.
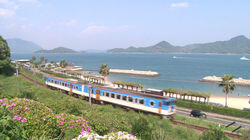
[[162, 106]]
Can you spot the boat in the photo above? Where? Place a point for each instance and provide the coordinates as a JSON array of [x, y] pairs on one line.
[[244, 58], [174, 57]]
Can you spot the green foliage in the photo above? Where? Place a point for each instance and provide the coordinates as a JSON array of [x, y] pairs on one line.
[[103, 123], [63, 63], [9, 128], [214, 133], [142, 128], [124, 83], [185, 92], [215, 109], [104, 70], [5, 66]]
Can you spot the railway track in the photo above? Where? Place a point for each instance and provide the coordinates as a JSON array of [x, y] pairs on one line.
[[193, 126]]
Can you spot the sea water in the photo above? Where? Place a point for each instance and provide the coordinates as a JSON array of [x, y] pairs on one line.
[[178, 71]]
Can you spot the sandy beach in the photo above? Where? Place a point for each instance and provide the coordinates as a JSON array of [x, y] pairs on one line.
[[234, 102]]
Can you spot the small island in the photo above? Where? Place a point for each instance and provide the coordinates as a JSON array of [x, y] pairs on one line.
[[60, 50]]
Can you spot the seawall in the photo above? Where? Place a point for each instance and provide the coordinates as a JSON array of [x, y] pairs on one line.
[[135, 72]]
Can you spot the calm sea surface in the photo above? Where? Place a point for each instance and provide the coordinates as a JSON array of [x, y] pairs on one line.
[[180, 73]]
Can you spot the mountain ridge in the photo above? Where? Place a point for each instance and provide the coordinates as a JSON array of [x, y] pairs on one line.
[[59, 50], [18, 45], [236, 45]]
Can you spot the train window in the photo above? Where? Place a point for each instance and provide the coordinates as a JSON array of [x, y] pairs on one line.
[[118, 96], [63, 84], [152, 103], [104, 93], [107, 94], [112, 95], [167, 103], [136, 100], [130, 99], [124, 98], [52, 81], [97, 91], [77, 87], [141, 101]]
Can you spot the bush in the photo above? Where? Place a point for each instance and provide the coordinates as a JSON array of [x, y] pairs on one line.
[[215, 109], [215, 133], [142, 128], [9, 128], [38, 120]]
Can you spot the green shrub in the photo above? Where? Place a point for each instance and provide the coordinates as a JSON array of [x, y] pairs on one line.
[[142, 128], [9, 128], [27, 94], [214, 133], [215, 109]]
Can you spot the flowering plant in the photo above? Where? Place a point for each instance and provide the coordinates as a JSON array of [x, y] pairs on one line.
[[39, 120], [111, 136]]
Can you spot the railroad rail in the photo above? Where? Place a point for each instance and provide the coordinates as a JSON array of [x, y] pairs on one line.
[[196, 127]]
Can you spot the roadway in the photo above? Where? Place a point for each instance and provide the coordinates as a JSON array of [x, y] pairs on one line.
[[217, 120]]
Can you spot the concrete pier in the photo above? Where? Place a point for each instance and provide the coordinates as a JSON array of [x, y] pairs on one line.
[[135, 72]]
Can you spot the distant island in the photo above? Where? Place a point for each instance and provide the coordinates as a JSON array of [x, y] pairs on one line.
[[237, 45], [59, 50], [18, 45]]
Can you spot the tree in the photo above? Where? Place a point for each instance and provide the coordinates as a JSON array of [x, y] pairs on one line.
[[63, 63], [33, 59], [104, 71], [5, 66], [41, 60], [46, 61], [228, 85]]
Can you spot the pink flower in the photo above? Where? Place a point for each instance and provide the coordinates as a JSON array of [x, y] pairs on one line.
[[1, 100], [71, 126], [58, 116], [48, 109], [63, 119], [44, 119], [17, 118], [4, 99], [11, 105], [61, 123], [83, 124], [4, 104], [26, 99], [24, 120], [27, 108], [78, 121]]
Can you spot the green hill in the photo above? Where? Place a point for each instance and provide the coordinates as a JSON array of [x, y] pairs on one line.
[[58, 50], [22, 46], [236, 45]]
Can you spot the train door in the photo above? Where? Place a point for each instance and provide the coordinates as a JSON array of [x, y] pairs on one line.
[[159, 107], [70, 88], [97, 94]]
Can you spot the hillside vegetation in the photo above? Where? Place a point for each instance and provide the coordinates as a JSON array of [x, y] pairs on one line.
[[236, 45]]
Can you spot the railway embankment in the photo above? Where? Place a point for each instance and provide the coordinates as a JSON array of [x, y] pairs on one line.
[[215, 79], [135, 72]]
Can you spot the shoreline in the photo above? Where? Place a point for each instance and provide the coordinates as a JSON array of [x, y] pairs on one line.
[[233, 102]]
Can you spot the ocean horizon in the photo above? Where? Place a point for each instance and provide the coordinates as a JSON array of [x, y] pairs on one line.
[[181, 72]]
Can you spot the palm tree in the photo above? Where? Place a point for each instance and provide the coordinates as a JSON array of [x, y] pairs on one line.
[[228, 85], [104, 71], [63, 63]]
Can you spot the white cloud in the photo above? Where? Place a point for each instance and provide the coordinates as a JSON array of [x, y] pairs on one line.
[[94, 29], [181, 4], [6, 12], [27, 0]]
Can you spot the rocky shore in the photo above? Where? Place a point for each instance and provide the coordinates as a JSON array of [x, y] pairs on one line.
[[135, 72], [237, 81]]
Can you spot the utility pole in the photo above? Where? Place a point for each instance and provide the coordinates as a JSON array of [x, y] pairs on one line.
[[16, 69], [90, 90]]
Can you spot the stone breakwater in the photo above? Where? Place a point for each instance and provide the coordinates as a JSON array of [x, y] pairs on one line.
[[236, 81], [134, 72]]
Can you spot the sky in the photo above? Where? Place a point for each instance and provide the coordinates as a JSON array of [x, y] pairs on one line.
[[106, 24]]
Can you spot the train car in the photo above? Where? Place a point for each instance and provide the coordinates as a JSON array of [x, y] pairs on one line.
[[130, 99]]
